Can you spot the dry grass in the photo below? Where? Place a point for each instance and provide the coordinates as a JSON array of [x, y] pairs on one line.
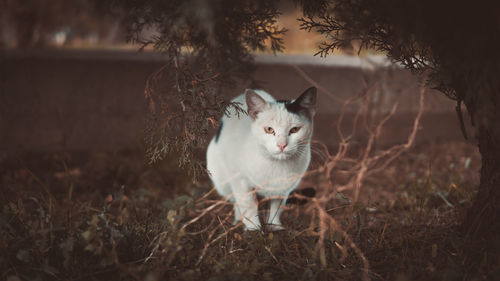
[[65, 217], [378, 214]]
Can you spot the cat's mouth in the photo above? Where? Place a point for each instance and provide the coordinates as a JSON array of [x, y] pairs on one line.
[[282, 155]]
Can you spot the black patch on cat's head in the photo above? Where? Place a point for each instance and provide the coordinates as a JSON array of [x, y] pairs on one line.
[[284, 101], [218, 132], [304, 105]]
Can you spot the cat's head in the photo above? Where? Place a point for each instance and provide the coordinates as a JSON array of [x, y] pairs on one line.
[[283, 129]]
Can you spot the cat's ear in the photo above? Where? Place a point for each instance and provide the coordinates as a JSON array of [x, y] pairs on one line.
[[307, 100], [255, 103]]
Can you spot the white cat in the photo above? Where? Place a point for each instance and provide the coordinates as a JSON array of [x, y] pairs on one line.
[[266, 151]]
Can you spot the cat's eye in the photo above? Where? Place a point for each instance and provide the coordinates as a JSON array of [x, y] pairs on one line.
[[269, 130], [294, 130]]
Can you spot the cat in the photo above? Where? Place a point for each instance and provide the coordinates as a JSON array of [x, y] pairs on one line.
[[265, 152]]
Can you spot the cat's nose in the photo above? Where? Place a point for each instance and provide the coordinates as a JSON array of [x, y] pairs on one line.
[[282, 145]]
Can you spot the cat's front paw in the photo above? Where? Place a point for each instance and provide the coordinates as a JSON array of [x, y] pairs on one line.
[[275, 227]]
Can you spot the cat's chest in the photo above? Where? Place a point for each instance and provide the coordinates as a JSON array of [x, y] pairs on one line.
[[275, 176]]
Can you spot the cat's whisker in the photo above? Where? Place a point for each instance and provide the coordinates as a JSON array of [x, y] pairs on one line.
[[320, 153]]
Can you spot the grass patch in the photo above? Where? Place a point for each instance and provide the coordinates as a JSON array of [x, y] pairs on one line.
[[110, 216]]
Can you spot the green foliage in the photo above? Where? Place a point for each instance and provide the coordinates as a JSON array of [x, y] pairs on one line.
[[208, 44], [452, 42]]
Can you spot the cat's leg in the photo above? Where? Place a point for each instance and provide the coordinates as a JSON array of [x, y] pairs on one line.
[[245, 205], [237, 214], [276, 206]]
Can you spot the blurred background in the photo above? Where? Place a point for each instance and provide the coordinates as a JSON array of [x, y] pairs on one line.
[[84, 24], [70, 79]]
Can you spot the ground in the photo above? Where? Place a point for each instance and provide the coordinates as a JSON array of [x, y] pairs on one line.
[[113, 216]]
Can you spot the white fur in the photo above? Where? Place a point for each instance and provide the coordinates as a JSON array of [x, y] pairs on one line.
[[245, 159]]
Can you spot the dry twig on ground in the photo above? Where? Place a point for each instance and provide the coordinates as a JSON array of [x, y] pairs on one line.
[[352, 167]]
